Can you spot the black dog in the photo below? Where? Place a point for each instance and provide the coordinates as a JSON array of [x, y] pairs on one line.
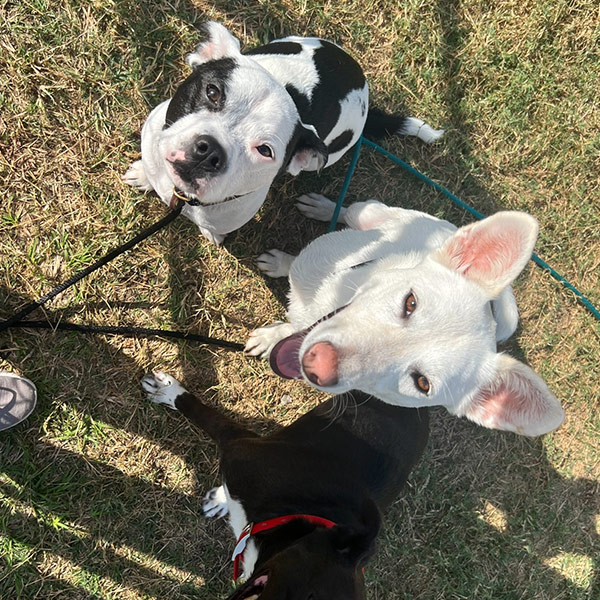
[[304, 502]]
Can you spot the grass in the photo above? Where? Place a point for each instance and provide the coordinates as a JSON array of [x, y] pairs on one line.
[[100, 493]]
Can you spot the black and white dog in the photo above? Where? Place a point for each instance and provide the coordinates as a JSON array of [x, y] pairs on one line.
[[239, 120], [304, 502]]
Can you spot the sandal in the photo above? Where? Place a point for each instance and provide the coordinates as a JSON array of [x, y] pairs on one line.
[[18, 398]]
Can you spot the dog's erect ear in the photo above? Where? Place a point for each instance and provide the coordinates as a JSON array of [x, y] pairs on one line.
[[491, 252], [515, 399], [219, 44], [309, 152], [356, 544]]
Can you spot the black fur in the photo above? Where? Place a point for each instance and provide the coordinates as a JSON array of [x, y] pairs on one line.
[[344, 466], [340, 142], [303, 139], [323, 109], [190, 96], [277, 48], [380, 124]]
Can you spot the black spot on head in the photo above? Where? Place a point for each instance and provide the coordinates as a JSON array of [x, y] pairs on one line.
[[191, 96], [277, 48]]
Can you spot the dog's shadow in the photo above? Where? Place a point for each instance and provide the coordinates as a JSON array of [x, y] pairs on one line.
[[129, 518], [507, 483], [142, 530]]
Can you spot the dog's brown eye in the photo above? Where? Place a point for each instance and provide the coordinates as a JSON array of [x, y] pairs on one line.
[[421, 383], [410, 304], [213, 93], [264, 150]]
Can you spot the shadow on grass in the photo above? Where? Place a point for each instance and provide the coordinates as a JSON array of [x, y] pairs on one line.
[[111, 525], [494, 520]]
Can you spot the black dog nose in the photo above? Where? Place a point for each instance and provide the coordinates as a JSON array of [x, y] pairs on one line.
[[208, 154]]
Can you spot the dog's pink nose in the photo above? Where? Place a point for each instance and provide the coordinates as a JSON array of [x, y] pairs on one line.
[[320, 363]]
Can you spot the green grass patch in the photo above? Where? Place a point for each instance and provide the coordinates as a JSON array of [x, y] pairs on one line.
[[100, 494]]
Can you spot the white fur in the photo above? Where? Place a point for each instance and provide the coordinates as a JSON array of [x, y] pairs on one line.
[[238, 521], [262, 341], [161, 388], [275, 263], [259, 111], [420, 129], [214, 505], [451, 336]]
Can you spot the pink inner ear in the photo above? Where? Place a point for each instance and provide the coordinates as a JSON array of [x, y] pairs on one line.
[[498, 408], [207, 51], [480, 255], [515, 400]]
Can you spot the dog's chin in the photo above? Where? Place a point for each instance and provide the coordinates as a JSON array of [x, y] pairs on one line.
[[252, 589], [200, 189]]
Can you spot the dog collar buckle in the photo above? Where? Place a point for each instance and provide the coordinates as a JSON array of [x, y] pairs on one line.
[[242, 541], [181, 196]]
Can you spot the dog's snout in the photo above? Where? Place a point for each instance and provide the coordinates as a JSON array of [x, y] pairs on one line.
[[320, 364], [207, 153]]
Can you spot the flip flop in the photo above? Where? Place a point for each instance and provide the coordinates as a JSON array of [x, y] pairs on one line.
[[18, 398]]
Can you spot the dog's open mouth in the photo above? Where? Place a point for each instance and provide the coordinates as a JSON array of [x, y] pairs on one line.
[[285, 357], [251, 590]]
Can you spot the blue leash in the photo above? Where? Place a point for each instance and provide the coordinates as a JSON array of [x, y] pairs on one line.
[[364, 141]]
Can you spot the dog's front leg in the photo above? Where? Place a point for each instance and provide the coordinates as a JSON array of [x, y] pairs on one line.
[[161, 388], [275, 263], [135, 176], [263, 340], [164, 389], [361, 216], [318, 207]]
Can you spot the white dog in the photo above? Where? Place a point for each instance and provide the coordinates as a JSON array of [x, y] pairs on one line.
[[407, 308], [239, 120]]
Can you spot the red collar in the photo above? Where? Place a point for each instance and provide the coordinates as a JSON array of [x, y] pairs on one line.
[[254, 528]]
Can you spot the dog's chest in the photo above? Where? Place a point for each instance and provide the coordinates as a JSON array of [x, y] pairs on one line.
[[238, 521]]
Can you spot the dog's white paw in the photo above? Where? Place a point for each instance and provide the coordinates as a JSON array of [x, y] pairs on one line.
[[162, 388], [211, 236], [214, 504], [262, 340], [318, 207], [275, 263], [420, 129], [135, 176]]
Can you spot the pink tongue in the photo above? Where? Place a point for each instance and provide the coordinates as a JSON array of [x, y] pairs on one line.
[[285, 356]]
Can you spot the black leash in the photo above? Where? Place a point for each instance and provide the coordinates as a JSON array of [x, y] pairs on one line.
[[16, 320]]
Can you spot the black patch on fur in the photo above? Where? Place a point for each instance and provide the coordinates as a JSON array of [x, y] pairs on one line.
[[190, 96], [380, 124], [277, 48], [341, 141], [338, 74], [300, 100]]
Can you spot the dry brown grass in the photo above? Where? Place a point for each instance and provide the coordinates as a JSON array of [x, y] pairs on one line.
[[101, 493]]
